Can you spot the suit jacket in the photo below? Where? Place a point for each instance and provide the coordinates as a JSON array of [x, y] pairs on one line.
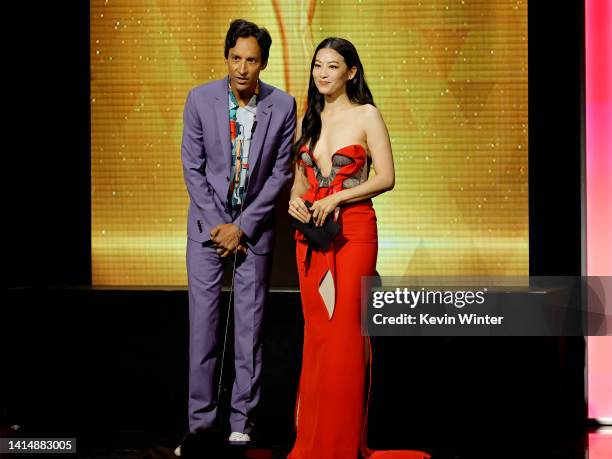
[[206, 155]]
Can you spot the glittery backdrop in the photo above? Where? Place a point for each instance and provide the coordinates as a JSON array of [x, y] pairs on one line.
[[450, 78]]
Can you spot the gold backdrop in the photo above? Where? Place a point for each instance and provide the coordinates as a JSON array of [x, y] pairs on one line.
[[450, 78]]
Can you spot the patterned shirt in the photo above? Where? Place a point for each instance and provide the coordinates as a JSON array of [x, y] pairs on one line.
[[242, 121]]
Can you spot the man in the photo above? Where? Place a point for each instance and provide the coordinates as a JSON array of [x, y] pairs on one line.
[[237, 140]]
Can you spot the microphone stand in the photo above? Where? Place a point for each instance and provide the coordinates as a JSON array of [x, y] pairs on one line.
[[220, 391]]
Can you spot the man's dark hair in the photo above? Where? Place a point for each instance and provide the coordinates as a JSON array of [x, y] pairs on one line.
[[240, 28]]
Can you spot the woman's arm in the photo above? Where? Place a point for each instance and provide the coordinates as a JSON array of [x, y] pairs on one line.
[[300, 181], [297, 208], [379, 145]]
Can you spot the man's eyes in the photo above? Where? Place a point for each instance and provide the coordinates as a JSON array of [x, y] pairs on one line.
[[250, 60]]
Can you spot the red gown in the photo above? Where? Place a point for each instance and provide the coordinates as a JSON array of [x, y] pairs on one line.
[[331, 412]]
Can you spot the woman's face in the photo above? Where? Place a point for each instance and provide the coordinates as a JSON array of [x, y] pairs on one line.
[[330, 72]]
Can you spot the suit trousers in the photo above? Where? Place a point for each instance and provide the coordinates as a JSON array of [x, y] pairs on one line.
[[205, 272]]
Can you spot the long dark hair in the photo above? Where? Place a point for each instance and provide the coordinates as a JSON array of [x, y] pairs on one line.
[[356, 89]]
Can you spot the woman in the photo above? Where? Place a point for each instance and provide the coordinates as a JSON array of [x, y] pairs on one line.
[[342, 132]]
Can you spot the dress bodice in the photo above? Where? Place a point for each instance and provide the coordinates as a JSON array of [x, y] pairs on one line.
[[350, 167]]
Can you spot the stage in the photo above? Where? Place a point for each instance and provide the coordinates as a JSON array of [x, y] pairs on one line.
[[109, 367], [88, 357]]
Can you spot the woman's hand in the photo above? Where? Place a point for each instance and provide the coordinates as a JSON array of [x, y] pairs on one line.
[[323, 207], [298, 210]]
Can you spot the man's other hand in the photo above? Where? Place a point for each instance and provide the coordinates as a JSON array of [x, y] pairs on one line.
[[226, 238]]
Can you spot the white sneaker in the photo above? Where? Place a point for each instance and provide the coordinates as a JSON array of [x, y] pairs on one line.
[[239, 437]]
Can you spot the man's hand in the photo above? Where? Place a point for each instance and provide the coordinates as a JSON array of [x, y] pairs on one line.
[[226, 238], [242, 248]]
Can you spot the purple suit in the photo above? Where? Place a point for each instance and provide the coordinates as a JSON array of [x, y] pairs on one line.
[[206, 155]]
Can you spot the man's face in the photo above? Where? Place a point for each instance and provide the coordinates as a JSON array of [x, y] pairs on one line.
[[244, 64]]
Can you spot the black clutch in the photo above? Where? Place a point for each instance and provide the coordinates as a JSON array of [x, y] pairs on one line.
[[319, 237]]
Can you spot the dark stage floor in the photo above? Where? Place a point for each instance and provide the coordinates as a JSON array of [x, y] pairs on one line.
[[160, 444], [109, 367]]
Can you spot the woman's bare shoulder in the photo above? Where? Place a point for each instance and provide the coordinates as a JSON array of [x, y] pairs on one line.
[[369, 111], [369, 117]]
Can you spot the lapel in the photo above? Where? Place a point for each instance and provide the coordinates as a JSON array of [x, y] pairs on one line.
[[263, 114], [222, 119]]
